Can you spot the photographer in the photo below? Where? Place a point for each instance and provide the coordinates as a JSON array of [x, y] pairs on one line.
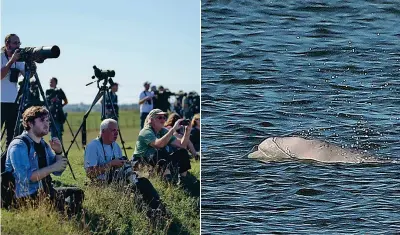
[[104, 163], [163, 99], [10, 71], [109, 113], [178, 102], [145, 103], [57, 100], [31, 161], [195, 134], [153, 141], [173, 117]]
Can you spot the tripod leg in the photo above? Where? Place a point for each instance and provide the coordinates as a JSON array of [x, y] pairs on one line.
[[25, 90], [115, 115], [52, 122], [72, 133], [96, 99]]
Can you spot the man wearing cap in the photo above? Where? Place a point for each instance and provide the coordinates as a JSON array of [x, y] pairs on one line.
[[153, 140], [145, 103]]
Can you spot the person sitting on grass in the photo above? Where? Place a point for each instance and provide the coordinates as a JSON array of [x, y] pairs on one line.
[[31, 165], [153, 141], [105, 164], [195, 134], [172, 118]]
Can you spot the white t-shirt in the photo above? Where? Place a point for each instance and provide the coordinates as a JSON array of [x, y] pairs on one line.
[[94, 154], [9, 90], [147, 106]]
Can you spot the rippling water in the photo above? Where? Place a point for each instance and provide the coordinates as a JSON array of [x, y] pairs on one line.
[[328, 71]]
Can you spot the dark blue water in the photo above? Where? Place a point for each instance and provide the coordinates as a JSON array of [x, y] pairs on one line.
[[326, 70]]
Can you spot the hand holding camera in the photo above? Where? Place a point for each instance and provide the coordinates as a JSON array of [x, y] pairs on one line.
[[15, 56], [117, 163], [177, 124], [185, 122]]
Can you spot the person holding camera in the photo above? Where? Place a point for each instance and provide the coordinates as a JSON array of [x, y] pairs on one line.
[[195, 134], [31, 161], [163, 97], [152, 146], [172, 118], [57, 100], [105, 164], [145, 103], [11, 69]]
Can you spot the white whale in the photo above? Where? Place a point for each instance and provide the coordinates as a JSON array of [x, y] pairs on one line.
[[281, 148]]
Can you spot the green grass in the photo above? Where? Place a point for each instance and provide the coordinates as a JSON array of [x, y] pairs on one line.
[[107, 210]]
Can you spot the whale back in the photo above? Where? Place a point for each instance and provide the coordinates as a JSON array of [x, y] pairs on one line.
[[275, 149]]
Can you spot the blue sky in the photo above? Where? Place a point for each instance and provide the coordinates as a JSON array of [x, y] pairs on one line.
[[158, 41]]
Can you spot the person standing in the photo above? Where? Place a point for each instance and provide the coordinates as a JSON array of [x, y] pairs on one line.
[[57, 100], [109, 113], [11, 69], [145, 103]]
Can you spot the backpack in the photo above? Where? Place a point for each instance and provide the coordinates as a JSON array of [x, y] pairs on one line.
[[7, 178]]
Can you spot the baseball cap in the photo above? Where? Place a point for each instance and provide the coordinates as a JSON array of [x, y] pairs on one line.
[[153, 113]]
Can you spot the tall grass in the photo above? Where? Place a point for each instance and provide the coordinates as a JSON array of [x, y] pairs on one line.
[[107, 209]]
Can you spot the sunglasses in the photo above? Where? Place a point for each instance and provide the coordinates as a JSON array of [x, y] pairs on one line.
[[161, 117], [16, 43]]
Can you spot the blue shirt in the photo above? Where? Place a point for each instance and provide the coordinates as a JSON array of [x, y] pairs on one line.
[[98, 154], [23, 165]]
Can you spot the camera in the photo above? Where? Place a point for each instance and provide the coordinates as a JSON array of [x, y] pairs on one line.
[[14, 75], [185, 122], [38, 54], [126, 172], [103, 74]]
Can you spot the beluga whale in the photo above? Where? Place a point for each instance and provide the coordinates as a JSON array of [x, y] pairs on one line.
[[298, 148]]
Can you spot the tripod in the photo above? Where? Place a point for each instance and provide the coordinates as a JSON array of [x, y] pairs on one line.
[[102, 93], [24, 90], [70, 129]]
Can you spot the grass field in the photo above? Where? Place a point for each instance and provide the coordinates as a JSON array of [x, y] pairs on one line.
[[106, 209]]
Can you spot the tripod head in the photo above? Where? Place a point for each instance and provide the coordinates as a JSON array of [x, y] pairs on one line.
[[102, 75]]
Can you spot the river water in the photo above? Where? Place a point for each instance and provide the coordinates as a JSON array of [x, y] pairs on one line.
[[326, 70]]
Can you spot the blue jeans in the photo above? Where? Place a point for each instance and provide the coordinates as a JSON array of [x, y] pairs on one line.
[[142, 118], [53, 132]]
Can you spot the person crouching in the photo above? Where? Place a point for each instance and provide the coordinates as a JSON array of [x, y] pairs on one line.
[[105, 164]]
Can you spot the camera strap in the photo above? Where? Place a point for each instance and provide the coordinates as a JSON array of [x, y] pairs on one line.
[[5, 53], [104, 151]]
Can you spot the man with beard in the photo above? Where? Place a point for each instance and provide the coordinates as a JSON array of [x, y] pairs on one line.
[[105, 164], [32, 164], [10, 71]]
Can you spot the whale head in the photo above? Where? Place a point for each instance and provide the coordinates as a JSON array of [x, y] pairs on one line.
[[268, 151]]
